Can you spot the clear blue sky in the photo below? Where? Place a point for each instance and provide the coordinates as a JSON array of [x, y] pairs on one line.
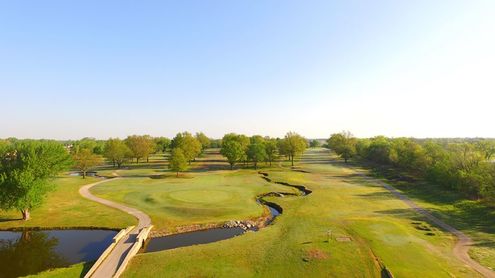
[[70, 69]]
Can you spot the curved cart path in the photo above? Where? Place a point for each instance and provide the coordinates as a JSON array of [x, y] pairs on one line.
[[115, 258], [463, 243]]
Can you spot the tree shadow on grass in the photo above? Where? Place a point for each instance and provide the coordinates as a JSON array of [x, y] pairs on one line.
[[2, 219], [379, 195]]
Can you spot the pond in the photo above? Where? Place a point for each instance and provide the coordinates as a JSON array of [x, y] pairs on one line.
[[29, 252]]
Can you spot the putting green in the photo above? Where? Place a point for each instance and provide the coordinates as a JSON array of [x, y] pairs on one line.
[[201, 196]]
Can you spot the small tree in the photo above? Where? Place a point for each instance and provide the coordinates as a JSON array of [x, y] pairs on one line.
[[271, 150], [178, 161], [162, 144], [256, 152], [203, 140], [25, 172], [85, 159], [233, 151], [314, 143]]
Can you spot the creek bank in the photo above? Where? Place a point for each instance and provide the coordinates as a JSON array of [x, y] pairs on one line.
[[201, 234]]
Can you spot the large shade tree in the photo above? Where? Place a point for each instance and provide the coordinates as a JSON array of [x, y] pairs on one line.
[[141, 146], [256, 152], [344, 144], [117, 151], [85, 160], [189, 145], [232, 149], [26, 169], [293, 145]]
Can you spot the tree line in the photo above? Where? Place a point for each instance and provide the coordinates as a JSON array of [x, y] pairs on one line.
[[462, 165], [28, 166]]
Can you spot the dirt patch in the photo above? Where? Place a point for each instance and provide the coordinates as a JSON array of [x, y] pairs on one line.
[[343, 239], [314, 254]]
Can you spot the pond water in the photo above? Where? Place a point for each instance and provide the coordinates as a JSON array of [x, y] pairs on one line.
[[29, 252], [88, 174]]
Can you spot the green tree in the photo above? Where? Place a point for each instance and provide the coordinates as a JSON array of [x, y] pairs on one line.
[[26, 168], [141, 146], [178, 161], [314, 143], [294, 145], [116, 151], [271, 150], [233, 151], [85, 159], [203, 140], [256, 152], [344, 144], [162, 144], [189, 145]]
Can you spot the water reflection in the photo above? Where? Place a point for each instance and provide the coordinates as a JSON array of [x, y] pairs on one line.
[[30, 252]]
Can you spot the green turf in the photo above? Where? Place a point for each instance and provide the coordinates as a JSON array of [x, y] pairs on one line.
[[383, 232], [199, 198], [64, 207]]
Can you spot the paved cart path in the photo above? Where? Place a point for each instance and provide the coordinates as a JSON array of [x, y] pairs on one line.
[[115, 258], [463, 243]]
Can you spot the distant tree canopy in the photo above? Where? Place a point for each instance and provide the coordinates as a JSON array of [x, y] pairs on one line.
[[141, 146], [96, 146], [203, 140], [162, 144], [26, 168], [344, 144], [190, 146], [465, 166], [314, 143], [117, 152], [178, 161], [85, 160]]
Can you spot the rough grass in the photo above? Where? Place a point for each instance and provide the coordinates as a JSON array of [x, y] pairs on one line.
[[472, 217], [64, 207]]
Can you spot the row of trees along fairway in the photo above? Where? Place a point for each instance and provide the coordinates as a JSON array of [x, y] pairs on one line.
[[26, 169], [238, 148], [462, 165]]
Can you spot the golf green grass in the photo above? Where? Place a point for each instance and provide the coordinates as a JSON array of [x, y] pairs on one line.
[[64, 208], [200, 198]]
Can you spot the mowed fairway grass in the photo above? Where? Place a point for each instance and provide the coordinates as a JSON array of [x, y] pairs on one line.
[[65, 208], [368, 227]]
